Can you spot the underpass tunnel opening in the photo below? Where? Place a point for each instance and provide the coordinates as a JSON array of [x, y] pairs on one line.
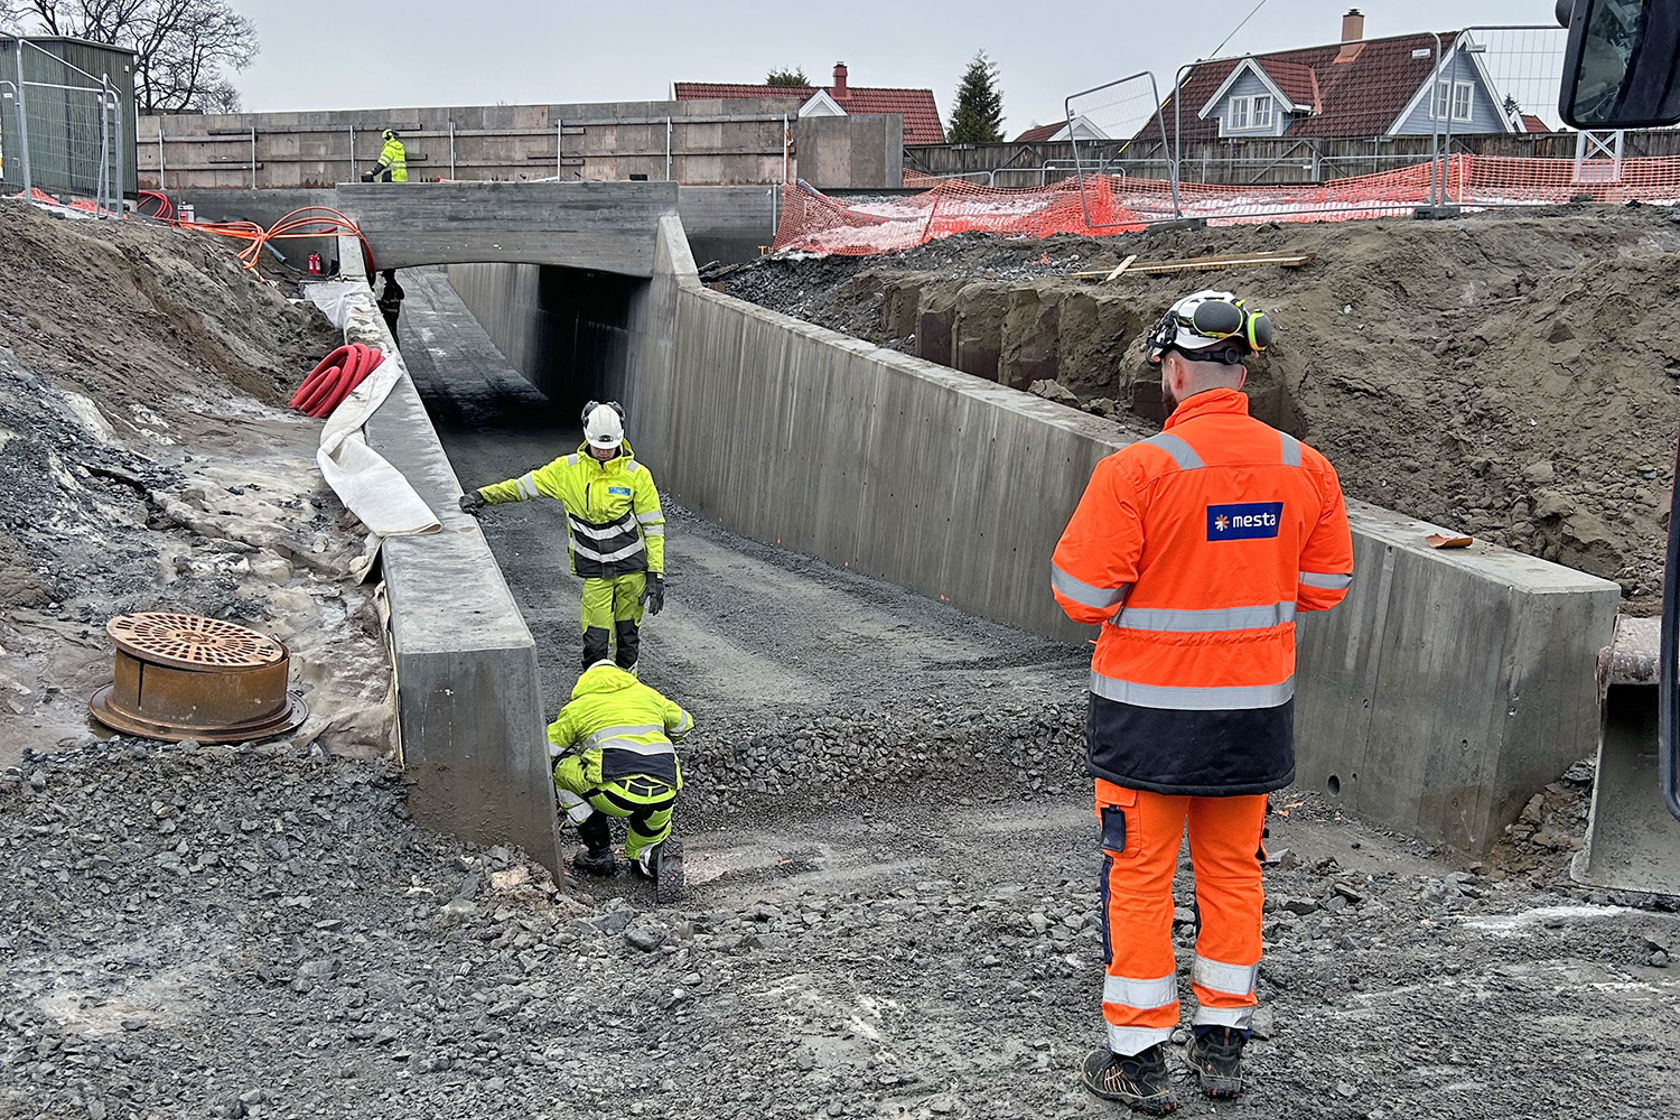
[[565, 330]]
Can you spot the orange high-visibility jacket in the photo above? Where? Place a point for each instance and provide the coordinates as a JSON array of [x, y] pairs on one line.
[[1194, 549]]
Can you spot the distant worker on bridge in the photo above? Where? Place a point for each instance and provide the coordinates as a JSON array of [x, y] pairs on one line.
[[624, 765], [1194, 550], [393, 160], [615, 527]]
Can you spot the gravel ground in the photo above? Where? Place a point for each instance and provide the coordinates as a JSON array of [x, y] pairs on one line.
[[196, 931]]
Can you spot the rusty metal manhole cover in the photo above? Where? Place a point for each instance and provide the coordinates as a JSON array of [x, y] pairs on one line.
[[186, 676], [190, 641]]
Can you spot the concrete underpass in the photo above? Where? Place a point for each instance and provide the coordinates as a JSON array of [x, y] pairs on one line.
[[922, 938]]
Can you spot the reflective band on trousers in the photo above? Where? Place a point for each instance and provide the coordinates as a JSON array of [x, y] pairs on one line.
[[1084, 593], [1237, 1017], [1192, 699], [1141, 994], [1327, 580], [1182, 453], [1204, 621], [1231, 979], [1127, 1041], [577, 809]]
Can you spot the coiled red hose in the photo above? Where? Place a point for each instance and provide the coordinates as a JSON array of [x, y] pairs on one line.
[[334, 379]]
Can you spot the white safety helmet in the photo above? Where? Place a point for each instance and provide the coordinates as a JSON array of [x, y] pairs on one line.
[[603, 424], [1210, 325]]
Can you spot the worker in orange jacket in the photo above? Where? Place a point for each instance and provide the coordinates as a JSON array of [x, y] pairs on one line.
[[1194, 550]]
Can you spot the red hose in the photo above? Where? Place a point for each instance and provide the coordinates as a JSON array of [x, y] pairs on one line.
[[334, 379]]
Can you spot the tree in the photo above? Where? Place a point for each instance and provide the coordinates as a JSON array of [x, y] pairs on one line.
[[785, 77], [183, 48], [978, 117]]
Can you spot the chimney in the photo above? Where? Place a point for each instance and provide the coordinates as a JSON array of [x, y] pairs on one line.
[[1353, 30], [839, 90]]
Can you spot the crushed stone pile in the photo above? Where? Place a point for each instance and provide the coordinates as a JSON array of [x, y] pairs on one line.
[[146, 462], [1511, 376], [264, 932]]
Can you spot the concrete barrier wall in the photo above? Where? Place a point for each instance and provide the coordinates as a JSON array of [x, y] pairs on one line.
[[1446, 690], [1443, 693], [468, 700]]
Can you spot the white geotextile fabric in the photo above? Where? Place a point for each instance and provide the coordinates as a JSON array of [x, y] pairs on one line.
[[371, 488]]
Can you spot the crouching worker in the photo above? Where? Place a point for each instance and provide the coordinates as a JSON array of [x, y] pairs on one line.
[[615, 758]]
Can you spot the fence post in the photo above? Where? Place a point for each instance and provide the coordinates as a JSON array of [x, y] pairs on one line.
[[23, 125], [352, 130], [452, 148], [117, 137], [559, 150], [253, 157], [163, 186], [102, 182]]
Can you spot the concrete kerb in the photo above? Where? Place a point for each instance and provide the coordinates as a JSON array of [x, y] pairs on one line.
[[469, 713], [1444, 692]]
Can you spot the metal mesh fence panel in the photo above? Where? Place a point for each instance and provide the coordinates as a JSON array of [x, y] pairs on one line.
[[61, 132]]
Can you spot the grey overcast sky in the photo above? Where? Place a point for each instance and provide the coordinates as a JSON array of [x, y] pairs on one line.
[[377, 53]]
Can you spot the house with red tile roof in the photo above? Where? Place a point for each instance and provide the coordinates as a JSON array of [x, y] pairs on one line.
[[1404, 85], [842, 99]]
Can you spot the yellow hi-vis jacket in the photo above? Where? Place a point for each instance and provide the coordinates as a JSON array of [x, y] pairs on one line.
[[613, 519], [625, 728], [393, 162]]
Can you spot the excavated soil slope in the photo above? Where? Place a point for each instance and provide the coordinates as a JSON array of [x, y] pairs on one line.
[[1511, 376], [146, 462]]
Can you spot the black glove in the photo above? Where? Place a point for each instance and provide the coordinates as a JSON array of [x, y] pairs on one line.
[[471, 501], [653, 595]]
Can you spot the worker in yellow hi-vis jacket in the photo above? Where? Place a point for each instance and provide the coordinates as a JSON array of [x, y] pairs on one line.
[[615, 526]]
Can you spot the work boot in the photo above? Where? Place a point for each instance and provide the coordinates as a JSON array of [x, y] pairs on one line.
[[1138, 1080], [1215, 1055], [595, 861], [663, 864]]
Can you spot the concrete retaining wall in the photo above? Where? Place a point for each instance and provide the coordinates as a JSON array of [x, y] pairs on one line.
[[1446, 690], [710, 141], [468, 701]]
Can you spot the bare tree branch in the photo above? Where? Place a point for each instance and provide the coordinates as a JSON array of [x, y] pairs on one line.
[[183, 48]]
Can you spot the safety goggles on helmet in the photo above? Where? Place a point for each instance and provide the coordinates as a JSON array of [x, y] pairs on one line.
[[1210, 326]]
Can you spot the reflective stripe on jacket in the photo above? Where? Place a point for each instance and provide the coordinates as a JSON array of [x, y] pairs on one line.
[[393, 158], [613, 520], [1195, 549], [624, 726]]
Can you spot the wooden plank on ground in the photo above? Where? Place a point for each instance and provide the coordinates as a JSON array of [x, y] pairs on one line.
[[1133, 267]]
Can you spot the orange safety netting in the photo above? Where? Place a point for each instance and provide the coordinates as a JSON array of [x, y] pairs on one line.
[[1114, 204]]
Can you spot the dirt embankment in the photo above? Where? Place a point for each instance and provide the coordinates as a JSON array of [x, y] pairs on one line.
[[146, 462], [1513, 376]]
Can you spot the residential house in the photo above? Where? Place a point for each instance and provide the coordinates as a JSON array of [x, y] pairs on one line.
[[1354, 88], [916, 106], [1081, 128]]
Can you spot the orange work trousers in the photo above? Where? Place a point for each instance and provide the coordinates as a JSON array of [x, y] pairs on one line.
[[1141, 834]]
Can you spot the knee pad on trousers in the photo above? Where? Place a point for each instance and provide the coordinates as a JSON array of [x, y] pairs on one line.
[[594, 832], [596, 643], [629, 643]]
